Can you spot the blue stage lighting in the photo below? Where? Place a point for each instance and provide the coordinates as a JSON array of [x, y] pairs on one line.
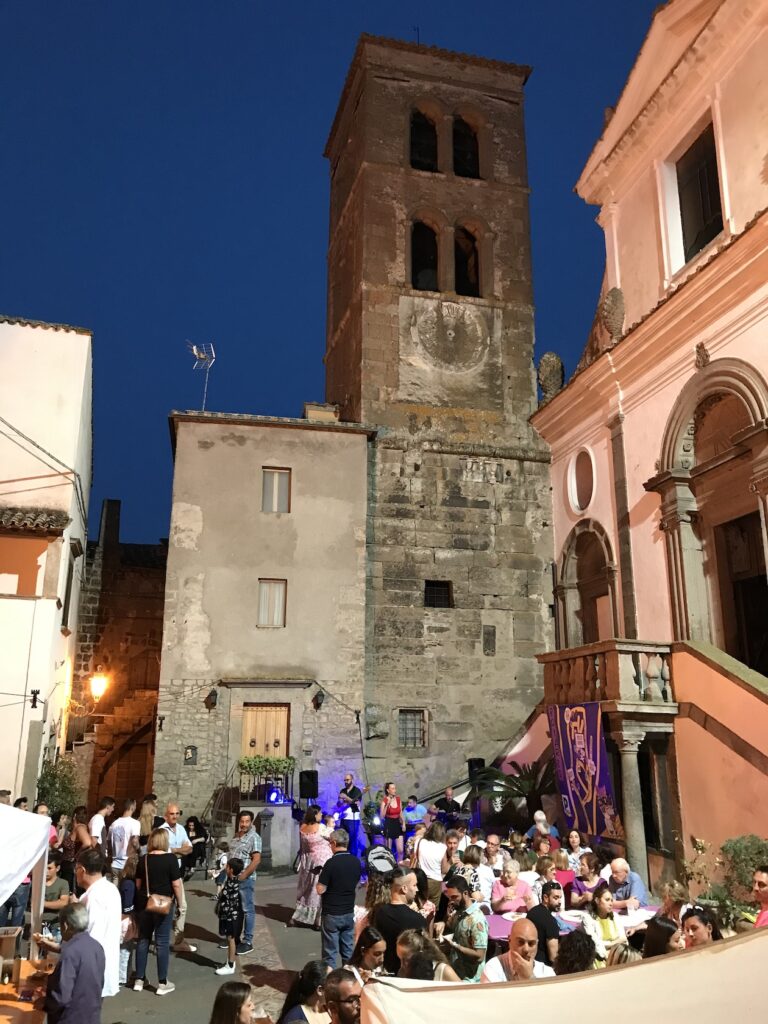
[[274, 796], [376, 819]]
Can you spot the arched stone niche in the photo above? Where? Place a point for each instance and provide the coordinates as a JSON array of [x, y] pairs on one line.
[[718, 423], [586, 593]]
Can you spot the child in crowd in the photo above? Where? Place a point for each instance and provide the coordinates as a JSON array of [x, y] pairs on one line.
[[328, 826], [219, 873], [230, 912], [126, 886]]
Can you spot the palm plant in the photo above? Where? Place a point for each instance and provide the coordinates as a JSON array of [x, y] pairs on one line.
[[529, 782]]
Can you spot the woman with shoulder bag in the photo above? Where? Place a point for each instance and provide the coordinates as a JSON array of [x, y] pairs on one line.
[[158, 890]]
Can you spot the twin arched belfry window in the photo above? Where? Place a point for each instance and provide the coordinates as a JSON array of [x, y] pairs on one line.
[[425, 260], [424, 146]]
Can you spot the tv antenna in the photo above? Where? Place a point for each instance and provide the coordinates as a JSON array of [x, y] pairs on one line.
[[205, 357]]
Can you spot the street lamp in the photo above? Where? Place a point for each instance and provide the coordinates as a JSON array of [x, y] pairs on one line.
[[99, 684]]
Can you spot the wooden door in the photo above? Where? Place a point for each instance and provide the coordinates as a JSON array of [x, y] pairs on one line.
[[265, 730]]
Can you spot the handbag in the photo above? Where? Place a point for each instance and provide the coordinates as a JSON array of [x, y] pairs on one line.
[[156, 904]]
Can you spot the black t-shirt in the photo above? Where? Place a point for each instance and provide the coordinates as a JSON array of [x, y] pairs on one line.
[[392, 919], [355, 795], [448, 806], [546, 926], [163, 871], [341, 875]]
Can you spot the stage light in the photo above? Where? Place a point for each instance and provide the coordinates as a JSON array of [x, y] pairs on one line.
[[275, 795], [376, 819]]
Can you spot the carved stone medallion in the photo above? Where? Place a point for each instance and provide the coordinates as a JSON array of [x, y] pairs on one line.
[[453, 337]]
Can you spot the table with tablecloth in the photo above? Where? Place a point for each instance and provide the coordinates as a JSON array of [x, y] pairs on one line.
[[500, 925]]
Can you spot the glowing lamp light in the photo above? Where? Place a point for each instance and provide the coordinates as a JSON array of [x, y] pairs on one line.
[[99, 684], [275, 796], [376, 819]]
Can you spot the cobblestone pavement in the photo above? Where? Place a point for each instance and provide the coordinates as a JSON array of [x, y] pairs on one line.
[[278, 952]]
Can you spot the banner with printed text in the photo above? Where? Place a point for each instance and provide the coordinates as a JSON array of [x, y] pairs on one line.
[[581, 765]]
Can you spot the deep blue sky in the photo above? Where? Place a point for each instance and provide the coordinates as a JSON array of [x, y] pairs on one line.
[[163, 179]]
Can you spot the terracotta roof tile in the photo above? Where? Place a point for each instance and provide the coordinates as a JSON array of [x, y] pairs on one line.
[[23, 322], [33, 520]]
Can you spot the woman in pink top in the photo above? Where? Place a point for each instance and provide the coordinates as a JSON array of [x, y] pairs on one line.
[[510, 893]]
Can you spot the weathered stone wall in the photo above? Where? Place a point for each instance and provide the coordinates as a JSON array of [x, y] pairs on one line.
[[221, 544], [480, 521], [119, 628], [458, 480]]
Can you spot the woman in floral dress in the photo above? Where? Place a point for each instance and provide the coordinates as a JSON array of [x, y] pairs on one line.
[[314, 851]]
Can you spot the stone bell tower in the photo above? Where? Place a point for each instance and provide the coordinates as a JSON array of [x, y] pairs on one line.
[[430, 339]]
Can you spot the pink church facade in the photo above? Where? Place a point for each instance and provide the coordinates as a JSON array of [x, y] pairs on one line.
[[660, 440]]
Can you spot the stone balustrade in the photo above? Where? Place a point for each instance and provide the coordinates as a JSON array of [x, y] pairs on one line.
[[626, 671]]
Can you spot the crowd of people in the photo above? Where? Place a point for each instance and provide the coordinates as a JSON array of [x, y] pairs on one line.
[[427, 911], [114, 887]]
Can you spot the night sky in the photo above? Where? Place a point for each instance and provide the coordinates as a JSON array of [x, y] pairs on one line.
[[163, 180]]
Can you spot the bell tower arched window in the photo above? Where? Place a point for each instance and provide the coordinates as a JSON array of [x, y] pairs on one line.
[[466, 153], [467, 263], [423, 142], [424, 257]]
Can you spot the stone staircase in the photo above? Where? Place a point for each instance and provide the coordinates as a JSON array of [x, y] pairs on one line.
[[99, 748]]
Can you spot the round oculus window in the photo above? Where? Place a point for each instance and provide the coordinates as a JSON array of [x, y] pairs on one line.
[[581, 482]]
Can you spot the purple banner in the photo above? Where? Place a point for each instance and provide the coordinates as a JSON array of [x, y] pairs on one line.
[[581, 765]]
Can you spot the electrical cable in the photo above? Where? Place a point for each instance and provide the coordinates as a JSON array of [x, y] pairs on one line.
[[77, 478]]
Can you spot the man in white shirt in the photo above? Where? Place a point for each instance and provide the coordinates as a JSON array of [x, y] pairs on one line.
[[518, 963], [494, 856], [104, 906], [124, 836], [178, 843], [97, 826]]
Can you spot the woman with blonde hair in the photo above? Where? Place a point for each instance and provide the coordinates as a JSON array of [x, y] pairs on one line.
[[147, 821], [377, 893], [674, 900], [411, 943], [429, 854], [622, 954], [158, 874], [545, 870]]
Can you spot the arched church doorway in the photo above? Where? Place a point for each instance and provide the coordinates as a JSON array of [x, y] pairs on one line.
[[713, 488], [586, 593]]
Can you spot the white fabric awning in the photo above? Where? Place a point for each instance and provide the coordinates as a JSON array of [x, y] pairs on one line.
[[24, 841], [722, 982]]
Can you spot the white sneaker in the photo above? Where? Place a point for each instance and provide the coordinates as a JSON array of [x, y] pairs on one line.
[[166, 988], [227, 968]]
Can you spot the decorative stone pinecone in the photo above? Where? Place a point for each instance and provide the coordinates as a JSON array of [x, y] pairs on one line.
[[551, 375], [612, 313]]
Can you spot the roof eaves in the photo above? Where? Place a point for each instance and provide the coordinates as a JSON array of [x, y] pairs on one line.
[[24, 322]]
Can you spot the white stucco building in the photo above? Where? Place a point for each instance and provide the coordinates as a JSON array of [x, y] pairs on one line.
[[45, 477]]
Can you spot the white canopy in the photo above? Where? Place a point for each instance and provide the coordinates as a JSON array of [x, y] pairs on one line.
[[24, 841], [721, 982]]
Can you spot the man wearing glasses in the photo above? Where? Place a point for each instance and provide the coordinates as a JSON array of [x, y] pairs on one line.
[[494, 856], [349, 799], [342, 997], [178, 843]]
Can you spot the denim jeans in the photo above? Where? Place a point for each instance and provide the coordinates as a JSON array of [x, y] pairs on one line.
[[338, 933], [160, 926], [247, 896], [12, 911], [352, 828]]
